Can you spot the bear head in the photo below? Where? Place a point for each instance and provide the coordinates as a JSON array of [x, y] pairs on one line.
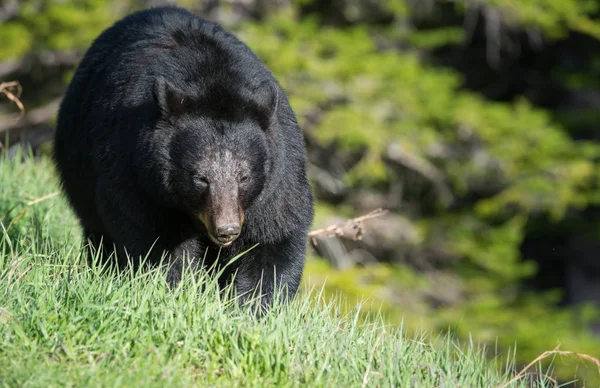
[[212, 144]]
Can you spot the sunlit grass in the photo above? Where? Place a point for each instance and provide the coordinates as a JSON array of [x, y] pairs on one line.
[[65, 324]]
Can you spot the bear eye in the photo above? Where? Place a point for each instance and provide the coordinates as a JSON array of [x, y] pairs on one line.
[[244, 178]]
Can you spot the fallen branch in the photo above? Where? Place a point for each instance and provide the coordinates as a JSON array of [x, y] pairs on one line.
[[12, 91], [549, 353], [343, 228]]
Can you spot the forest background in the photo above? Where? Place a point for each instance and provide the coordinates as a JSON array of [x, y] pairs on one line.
[[474, 122]]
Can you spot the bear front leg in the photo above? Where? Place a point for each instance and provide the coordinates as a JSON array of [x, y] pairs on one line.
[[98, 248], [271, 269], [131, 225], [141, 231], [184, 255]]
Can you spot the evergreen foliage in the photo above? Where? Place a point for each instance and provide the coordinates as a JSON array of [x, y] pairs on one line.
[[478, 175]]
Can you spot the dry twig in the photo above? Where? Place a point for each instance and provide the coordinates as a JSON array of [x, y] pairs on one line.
[[339, 229], [16, 219], [549, 353], [35, 116], [12, 91], [45, 197]]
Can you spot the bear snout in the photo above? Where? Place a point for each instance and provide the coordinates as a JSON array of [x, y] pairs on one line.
[[227, 233]]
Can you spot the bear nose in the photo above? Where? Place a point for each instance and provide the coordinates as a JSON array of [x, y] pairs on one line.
[[226, 233]]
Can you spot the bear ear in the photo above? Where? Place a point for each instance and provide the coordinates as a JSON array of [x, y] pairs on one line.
[[170, 100], [266, 98]]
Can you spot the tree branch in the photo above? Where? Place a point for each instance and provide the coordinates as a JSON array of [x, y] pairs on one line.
[[352, 227]]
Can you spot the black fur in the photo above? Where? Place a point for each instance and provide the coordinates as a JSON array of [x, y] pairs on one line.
[[171, 126]]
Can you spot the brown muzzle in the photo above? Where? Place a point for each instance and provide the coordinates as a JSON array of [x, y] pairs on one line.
[[222, 216]]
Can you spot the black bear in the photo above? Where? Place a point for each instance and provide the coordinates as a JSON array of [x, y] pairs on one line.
[[175, 142]]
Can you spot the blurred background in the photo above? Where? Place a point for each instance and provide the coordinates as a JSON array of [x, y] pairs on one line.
[[475, 122]]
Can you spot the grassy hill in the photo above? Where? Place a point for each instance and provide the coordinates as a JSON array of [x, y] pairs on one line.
[[64, 324]]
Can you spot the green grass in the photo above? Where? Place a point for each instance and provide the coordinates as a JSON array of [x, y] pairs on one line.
[[64, 324]]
